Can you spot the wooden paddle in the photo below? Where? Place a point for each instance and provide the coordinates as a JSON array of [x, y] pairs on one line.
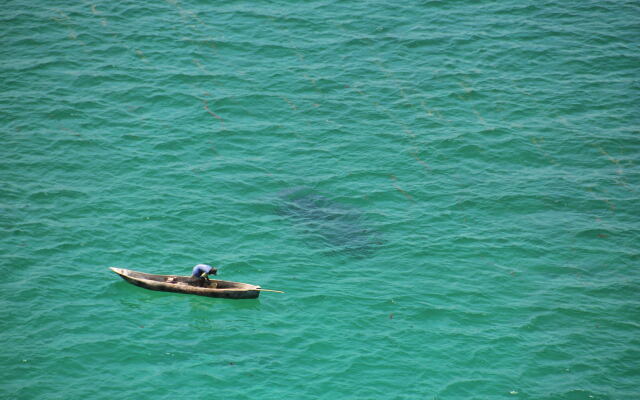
[[245, 290], [270, 290]]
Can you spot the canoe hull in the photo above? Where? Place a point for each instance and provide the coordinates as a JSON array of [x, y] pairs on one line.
[[180, 284]]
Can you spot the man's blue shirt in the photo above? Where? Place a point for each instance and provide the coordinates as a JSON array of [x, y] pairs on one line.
[[200, 269]]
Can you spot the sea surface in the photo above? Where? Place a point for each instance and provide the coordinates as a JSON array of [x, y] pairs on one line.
[[447, 191]]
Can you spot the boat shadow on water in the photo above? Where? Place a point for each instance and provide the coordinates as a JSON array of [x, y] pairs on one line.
[[197, 312], [326, 224]]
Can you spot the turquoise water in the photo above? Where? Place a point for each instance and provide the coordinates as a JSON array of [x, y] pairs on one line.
[[447, 191]]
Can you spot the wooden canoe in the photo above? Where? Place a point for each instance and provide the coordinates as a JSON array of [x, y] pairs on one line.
[[180, 284]]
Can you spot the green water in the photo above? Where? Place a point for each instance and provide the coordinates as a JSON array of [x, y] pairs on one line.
[[447, 191]]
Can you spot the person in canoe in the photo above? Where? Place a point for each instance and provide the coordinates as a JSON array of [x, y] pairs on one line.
[[200, 275]]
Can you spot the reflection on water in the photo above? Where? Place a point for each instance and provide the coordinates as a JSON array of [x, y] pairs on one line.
[[133, 297], [130, 296], [204, 312]]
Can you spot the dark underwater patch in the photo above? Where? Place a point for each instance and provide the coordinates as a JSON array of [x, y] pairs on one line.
[[327, 223]]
